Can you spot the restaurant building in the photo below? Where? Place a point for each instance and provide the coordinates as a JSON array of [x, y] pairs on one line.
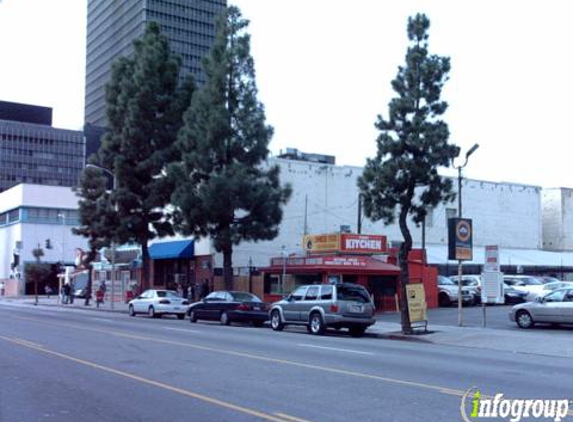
[[346, 257]]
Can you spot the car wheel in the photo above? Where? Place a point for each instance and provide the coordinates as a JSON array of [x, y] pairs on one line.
[[131, 310], [180, 316], [316, 324], [444, 300], [276, 323], [224, 319], [357, 331], [152, 313], [524, 320], [193, 316]]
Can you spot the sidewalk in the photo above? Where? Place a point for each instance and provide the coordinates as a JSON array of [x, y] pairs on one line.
[[534, 342], [531, 341], [53, 301]]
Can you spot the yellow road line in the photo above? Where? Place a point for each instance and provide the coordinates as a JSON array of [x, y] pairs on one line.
[[437, 388], [262, 358], [207, 399], [291, 418]]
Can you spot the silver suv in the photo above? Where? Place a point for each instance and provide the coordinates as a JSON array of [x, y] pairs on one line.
[[322, 306]]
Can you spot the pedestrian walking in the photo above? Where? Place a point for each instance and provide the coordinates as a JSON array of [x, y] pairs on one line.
[[100, 294], [48, 290], [2, 288], [72, 292], [66, 293]]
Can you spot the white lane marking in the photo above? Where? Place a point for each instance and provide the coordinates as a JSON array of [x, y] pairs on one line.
[[335, 349], [182, 329], [103, 319]]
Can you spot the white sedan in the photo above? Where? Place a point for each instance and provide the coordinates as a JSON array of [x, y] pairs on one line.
[[548, 288], [159, 302]]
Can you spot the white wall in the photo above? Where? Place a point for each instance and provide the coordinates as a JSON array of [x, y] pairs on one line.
[[503, 213], [552, 219]]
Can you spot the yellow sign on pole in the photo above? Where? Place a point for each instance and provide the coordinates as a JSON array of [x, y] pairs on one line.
[[416, 302]]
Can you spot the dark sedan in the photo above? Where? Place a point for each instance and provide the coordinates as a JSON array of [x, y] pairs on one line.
[[227, 307]]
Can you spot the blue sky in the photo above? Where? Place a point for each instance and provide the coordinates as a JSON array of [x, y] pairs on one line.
[[324, 69]]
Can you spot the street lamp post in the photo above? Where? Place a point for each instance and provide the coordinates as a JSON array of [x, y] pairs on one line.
[[284, 255], [470, 152], [109, 172], [62, 215]]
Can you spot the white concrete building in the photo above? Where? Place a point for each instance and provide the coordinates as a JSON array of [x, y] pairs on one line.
[[557, 206], [325, 197], [29, 216]]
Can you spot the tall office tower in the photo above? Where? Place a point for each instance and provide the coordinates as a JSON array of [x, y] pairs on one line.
[[113, 25], [32, 151]]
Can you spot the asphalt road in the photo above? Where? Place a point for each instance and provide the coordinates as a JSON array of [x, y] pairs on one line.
[[70, 365], [472, 316]]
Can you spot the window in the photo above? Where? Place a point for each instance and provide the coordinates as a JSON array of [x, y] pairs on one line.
[[326, 293], [245, 297], [355, 293], [298, 294], [451, 213], [429, 220], [212, 296], [558, 296], [311, 293]]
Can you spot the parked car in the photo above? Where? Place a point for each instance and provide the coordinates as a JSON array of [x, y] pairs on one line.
[[547, 288], [512, 295], [471, 283], [555, 307], [156, 303], [448, 292], [230, 306], [318, 307], [525, 283], [547, 279]]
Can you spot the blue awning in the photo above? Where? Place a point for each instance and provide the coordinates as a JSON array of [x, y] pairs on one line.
[[172, 250]]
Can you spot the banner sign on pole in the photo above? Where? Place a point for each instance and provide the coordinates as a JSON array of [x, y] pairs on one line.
[[460, 239]]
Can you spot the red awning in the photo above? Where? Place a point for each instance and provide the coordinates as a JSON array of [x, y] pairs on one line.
[[340, 264]]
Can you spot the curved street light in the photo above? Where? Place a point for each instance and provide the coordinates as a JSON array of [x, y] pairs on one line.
[[113, 246], [459, 168]]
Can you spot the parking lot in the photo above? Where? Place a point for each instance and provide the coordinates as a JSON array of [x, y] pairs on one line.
[[496, 317]]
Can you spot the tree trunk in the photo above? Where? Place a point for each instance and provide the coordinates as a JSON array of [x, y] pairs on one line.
[[145, 276], [404, 271], [89, 286], [228, 266]]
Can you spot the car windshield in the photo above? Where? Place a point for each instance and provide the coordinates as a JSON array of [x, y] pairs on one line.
[[358, 293], [531, 281], [244, 297], [167, 293], [445, 281]]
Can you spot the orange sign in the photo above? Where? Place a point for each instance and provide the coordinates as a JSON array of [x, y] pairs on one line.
[[321, 243]]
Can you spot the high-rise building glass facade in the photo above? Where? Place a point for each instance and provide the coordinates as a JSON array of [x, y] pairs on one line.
[[39, 154], [113, 25]]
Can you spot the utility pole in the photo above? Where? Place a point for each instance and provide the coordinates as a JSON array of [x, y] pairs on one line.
[[359, 223], [305, 215]]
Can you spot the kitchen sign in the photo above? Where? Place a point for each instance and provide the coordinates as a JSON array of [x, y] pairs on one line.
[[347, 243]]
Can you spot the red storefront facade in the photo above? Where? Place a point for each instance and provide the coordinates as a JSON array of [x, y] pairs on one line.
[[360, 259]]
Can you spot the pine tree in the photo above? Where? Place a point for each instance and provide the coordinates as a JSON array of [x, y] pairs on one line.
[[413, 143], [145, 104], [222, 190]]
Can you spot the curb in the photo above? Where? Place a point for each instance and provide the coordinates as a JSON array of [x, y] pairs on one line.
[[82, 307], [402, 337]]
